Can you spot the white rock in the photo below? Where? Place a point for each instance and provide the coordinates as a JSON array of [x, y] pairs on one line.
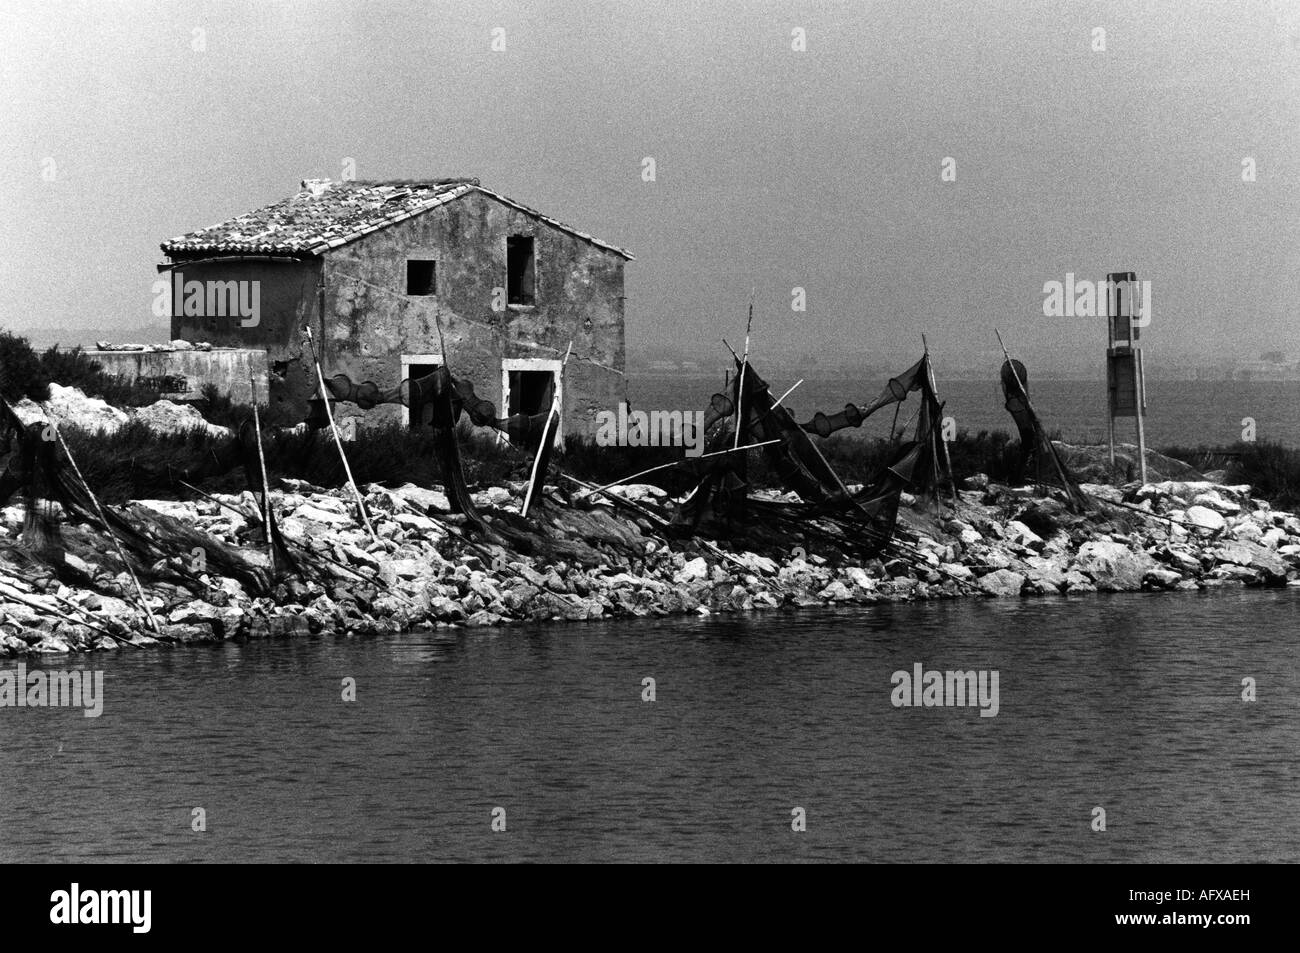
[[637, 491], [696, 568], [165, 417], [757, 563], [1018, 532], [315, 514], [70, 406], [1205, 518], [422, 499], [859, 577], [1215, 501], [412, 521]]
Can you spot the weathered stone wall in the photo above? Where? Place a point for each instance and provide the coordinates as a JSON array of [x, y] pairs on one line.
[[229, 368]]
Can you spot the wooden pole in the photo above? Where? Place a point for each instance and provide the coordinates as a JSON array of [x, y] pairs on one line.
[[1140, 400], [266, 486], [744, 363], [12, 593], [947, 460], [103, 518], [338, 440], [546, 431]]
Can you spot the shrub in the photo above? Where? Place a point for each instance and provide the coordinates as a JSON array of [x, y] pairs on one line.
[[1271, 469], [21, 371]]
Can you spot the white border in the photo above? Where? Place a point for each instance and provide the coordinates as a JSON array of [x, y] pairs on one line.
[[407, 361], [509, 364]]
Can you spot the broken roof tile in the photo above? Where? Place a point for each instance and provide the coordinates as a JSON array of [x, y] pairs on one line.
[[325, 214]]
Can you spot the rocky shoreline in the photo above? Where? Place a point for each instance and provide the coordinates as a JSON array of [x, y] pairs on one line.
[[1005, 543]]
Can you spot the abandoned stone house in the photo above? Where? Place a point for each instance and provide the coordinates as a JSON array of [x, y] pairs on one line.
[[375, 267]]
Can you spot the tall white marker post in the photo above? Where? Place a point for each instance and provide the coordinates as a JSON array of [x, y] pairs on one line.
[[1125, 382]]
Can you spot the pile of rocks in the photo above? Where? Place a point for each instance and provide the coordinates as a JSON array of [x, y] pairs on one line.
[[68, 406], [420, 571]]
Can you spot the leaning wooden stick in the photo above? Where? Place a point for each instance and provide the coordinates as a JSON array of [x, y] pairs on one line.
[[338, 439], [11, 593], [947, 460], [546, 434], [266, 487], [108, 528], [740, 384]]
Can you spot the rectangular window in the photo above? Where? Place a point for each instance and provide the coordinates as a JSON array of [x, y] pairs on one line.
[[421, 276], [521, 272]]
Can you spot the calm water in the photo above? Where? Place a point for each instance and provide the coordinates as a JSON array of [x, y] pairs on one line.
[[1181, 413], [1127, 702]]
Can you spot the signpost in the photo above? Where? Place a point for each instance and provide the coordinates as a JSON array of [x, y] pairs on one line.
[[1125, 383]]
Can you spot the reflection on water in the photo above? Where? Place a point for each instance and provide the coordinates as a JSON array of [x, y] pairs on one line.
[[1131, 703]]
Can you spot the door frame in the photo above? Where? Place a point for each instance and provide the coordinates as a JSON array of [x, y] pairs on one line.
[[407, 361], [556, 367]]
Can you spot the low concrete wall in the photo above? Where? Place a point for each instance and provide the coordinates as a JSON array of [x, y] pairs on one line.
[[228, 368]]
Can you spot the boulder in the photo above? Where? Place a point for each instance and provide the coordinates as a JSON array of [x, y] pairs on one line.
[[421, 499], [836, 592], [166, 417], [413, 521], [1252, 555], [696, 568], [1046, 575], [1162, 578], [1214, 500], [69, 406], [1002, 583], [1112, 566], [1093, 463], [1076, 581], [1022, 535], [1205, 518]]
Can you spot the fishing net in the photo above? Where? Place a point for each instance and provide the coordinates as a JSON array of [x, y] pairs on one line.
[[523, 429], [1035, 445], [895, 392], [36, 467]]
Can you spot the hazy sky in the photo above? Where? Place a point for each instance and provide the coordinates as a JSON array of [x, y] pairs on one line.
[[774, 168]]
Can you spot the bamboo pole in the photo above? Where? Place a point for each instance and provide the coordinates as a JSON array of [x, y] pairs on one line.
[[947, 460], [266, 486], [10, 588], [546, 431], [103, 518], [740, 384], [10, 592], [338, 440]]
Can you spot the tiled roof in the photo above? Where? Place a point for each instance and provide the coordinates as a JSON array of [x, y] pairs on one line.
[[324, 215]]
